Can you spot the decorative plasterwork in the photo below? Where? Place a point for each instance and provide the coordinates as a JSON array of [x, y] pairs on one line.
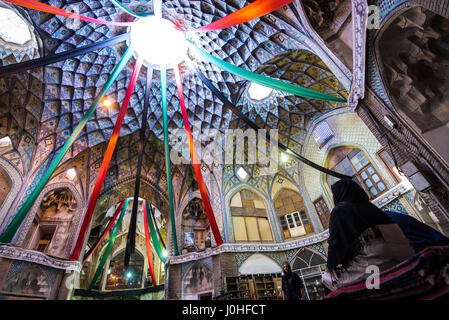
[[317, 45], [249, 247], [392, 194], [16, 253], [359, 25], [20, 236]]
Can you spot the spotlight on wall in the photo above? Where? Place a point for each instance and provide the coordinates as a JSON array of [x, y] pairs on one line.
[[129, 274], [284, 157], [107, 103], [391, 122], [71, 173]]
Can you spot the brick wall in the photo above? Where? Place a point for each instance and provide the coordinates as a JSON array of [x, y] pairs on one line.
[[407, 145]]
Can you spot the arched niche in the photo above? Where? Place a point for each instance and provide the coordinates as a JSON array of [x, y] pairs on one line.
[[332, 20], [250, 217], [310, 265], [30, 281], [119, 246], [119, 278], [412, 52], [259, 264], [292, 214], [197, 281], [52, 225], [196, 235]]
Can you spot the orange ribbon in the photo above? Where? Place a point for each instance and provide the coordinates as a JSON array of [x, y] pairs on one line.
[[32, 4], [195, 161], [105, 164]]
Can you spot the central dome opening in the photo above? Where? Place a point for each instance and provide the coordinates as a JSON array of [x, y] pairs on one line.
[[158, 41]]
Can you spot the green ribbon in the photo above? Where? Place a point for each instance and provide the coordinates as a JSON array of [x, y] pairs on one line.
[[14, 225], [109, 247], [263, 80], [154, 237], [167, 157], [129, 11]]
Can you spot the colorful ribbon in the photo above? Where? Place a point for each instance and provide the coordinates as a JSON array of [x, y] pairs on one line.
[[148, 245], [252, 11], [167, 157], [50, 9], [129, 11], [100, 239], [14, 225], [50, 59], [131, 240], [106, 159], [195, 161], [109, 247], [253, 125], [263, 80], [157, 229], [156, 243]]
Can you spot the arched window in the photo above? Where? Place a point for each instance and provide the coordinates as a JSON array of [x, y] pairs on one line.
[[119, 277], [354, 163], [249, 218], [292, 214]]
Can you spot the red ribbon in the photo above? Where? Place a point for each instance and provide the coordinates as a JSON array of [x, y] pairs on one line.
[[105, 164], [148, 245], [32, 4], [111, 222], [196, 165], [252, 11]]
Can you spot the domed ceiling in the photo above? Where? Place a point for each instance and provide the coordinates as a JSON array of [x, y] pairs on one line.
[[42, 107]]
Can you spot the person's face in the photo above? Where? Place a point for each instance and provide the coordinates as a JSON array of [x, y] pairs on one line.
[[285, 267]]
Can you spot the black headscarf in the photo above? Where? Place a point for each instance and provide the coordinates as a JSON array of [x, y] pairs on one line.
[[288, 274], [352, 215]]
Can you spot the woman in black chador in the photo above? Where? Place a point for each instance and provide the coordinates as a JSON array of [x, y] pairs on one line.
[[360, 235], [291, 284]]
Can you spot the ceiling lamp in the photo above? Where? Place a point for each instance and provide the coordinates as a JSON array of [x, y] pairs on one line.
[[157, 41]]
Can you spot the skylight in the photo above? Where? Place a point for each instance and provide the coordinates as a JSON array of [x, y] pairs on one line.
[[158, 41], [258, 92], [13, 28], [5, 142], [71, 174], [241, 173]]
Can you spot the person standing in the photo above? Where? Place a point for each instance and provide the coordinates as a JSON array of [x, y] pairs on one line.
[[292, 288]]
